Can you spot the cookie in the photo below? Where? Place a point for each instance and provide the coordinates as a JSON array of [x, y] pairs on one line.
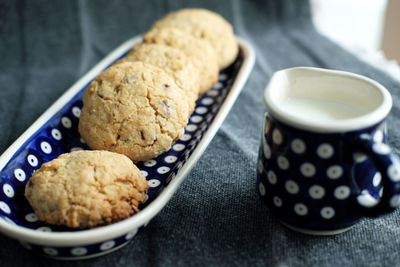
[[200, 52], [172, 61], [207, 25], [135, 109], [84, 189]]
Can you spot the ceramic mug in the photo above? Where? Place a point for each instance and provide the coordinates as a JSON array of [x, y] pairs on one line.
[[323, 163]]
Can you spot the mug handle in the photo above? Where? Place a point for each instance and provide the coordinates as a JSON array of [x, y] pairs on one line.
[[388, 164]]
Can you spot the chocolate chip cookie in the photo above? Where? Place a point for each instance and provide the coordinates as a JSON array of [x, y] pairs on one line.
[[172, 61], [200, 52], [84, 189], [207, 25], [135, 109]]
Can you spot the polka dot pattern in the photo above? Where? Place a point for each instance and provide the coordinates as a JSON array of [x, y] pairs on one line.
[[44, 229], [260, 166], [298, 146], [376, 181], [60, 135], [277, 201], [4, 207], [131, 234], [154, 182], [325, 151], [150, 163], [201, 110], [79, 251], [218, 85], [186, 137], [261, 189], [378, 136], [207, 101], [381, 148], [395, 201], [365, 199], [32, 160], [291, 187], [283, 163], [66, 122], [170, 159], [8, 190], [178, 147], [334, 172], [163, 169], [107, 245], [56, 134], [196, 119], [316, 192], [342, 192], [394, 172], [327, 213], [272, 177], [307, 169], [267, 151], [300, 209], [359, 157], [20, 175], [50, 251], [312, 175], [76, 111], [31, 217], [277, 137], [46, 147]]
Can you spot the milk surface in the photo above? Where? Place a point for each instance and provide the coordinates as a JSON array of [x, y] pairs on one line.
[[320, 109]]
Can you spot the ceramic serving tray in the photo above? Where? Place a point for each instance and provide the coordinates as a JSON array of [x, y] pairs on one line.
[[56, 132]]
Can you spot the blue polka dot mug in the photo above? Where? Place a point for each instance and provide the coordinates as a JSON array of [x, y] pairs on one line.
[[323, 162]]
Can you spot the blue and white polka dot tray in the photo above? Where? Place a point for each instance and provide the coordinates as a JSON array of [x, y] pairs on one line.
[[55, 132]]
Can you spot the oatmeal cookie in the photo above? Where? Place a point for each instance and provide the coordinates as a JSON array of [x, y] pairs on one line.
[[135, 109], [200, 52], [84, 189], [172, 61], [207, 25]]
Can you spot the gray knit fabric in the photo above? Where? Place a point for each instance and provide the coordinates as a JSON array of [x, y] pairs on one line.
[[215, 218]]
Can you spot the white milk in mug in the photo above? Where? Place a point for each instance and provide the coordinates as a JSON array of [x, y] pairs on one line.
[[320, 109]]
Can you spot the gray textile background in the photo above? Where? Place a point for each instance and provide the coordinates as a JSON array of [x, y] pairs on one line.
[[215, 218]]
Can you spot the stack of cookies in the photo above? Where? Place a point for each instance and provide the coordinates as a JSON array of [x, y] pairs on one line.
[[133, 111], [140, 105]]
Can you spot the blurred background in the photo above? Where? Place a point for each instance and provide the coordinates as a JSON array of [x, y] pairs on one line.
[[368, 28]]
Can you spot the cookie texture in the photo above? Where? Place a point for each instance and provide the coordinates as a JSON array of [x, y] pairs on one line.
[[84, 189], [206, 25], [172, 61], [135, 109], [200, 52]]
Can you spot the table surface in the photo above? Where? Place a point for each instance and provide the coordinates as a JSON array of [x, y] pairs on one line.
[[215, 218]]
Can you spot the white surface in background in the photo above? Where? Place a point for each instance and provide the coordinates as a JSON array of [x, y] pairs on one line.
[[351, 22], [357, 25]]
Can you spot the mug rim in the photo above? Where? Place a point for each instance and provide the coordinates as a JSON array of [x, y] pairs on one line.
[[345, 125]]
